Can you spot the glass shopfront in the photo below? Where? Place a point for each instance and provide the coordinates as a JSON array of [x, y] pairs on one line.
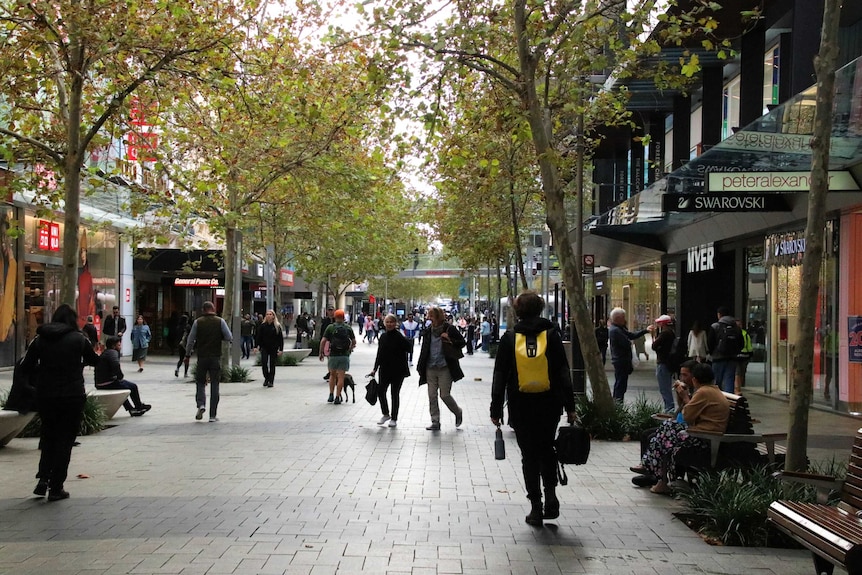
[[784, 279], [43, 268]]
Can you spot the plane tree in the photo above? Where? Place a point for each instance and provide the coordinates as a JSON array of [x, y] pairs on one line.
[[69, 68]]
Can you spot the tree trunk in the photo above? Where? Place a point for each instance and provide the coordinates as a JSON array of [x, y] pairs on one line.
[[556, 219], [72, 190], [229, 312], [803, 356]]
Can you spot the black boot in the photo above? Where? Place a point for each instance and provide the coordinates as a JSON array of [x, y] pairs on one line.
[[535, 516], [552, 505]]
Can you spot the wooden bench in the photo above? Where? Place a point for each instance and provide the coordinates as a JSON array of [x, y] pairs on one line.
[[12, 423], [738, 446], [832, 534], [111, 400]]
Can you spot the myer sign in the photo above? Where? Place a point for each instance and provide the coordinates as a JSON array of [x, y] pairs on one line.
[[839, 181], [701, 258]]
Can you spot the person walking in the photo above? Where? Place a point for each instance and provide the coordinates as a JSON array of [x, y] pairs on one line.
[[662, 345], [341, 341], [602, 338], [183, 328], [246, 333], [109, 375], [620, 340], [205, 338], [438, 366], [471, 335], [324, 323], [269, 340], [141, 337], [410, 328], [369, 328], [534, 415], [485, 333], [114, 324], [57, 356], [724, 342], [91, 332], [391, 360]]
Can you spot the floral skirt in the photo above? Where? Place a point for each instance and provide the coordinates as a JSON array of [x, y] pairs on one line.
[[663, 446]]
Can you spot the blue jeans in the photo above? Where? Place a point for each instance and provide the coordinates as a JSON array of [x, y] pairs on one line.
[[622, 370], [724, 371], [245, 345], [665, 386], [211, 366]]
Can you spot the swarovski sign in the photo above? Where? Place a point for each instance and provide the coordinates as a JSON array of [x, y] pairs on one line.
[[724, 203]]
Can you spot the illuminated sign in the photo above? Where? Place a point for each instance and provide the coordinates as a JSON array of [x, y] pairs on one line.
[[776, 181], [49, 236], [708, 203], [701, 258], [285, 277], [196, 282]]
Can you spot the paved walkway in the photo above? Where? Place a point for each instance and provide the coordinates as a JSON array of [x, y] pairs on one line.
[[287, 483]]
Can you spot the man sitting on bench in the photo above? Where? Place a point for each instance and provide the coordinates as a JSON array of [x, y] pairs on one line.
[[707, 410], [109, 375]]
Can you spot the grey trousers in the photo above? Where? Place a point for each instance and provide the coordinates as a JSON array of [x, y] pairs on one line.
[[440, 382]]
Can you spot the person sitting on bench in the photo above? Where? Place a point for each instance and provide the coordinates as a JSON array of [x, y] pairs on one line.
[[707, 410], [109, 375]]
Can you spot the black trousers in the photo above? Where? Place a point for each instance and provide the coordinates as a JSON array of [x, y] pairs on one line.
[[538, 458], [61, 422], [267, 363], [382, 385]]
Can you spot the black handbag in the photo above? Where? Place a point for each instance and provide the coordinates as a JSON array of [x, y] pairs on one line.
[[371, 391], [573, 448]]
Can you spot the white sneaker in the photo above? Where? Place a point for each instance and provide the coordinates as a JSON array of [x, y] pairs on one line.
[[213, 419], [383, 420], [393, 423]]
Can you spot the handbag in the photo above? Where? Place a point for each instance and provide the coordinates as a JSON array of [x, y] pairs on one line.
[[573, 447], [499, 445], [371, 391]]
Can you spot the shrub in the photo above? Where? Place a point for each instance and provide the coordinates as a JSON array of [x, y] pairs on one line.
[[731, 505], [236, 374], [314, 344], [93, 422], [614, 428], [287, 360], [641, 415]]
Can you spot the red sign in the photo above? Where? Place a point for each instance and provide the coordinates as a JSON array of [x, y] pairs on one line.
[[49, 236], [285, 277], [141, 146]]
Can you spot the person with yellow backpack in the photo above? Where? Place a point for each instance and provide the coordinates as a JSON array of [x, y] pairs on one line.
[[531, 372]]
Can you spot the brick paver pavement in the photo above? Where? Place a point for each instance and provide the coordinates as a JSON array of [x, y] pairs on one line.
[[287, 483]]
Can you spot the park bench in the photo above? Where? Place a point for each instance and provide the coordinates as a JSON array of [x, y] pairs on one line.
[[110, 399], [833, 534], [12, 423], [739, 446]]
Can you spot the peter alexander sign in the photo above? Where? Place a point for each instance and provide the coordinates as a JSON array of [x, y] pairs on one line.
[[839, 181]]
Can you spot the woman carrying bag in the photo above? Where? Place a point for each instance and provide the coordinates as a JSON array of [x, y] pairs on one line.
[[391, 360]]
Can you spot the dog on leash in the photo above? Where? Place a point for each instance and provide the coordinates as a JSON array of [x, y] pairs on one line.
[[348, 385]]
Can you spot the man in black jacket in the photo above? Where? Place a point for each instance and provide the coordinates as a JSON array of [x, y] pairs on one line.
[[109, 375]]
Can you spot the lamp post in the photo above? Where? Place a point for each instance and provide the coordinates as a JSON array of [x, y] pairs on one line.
[[577, 366]]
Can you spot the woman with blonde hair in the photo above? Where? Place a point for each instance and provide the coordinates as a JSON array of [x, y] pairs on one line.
[[269, 340]]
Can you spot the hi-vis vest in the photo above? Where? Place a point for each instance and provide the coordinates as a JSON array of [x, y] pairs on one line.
[[532, 362]]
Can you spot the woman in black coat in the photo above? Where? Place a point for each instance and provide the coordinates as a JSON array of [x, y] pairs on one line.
[[269, 339], [58, 356], [391, 360], [534, 413]]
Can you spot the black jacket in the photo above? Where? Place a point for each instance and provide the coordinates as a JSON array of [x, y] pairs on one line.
[[59, 355], [108, 369], [662, 345], [269, 337], [454, 365], [391, 360], [524, 408]]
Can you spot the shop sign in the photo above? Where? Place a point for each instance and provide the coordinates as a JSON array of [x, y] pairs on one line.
[[777, 182], [710, 203], [785, 249], [701, 258], [196, 282], [768, 142], [854, 331], [285, 277], [49, 236]]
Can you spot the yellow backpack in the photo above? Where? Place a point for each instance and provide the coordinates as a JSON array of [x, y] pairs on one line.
[[532, 362]]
